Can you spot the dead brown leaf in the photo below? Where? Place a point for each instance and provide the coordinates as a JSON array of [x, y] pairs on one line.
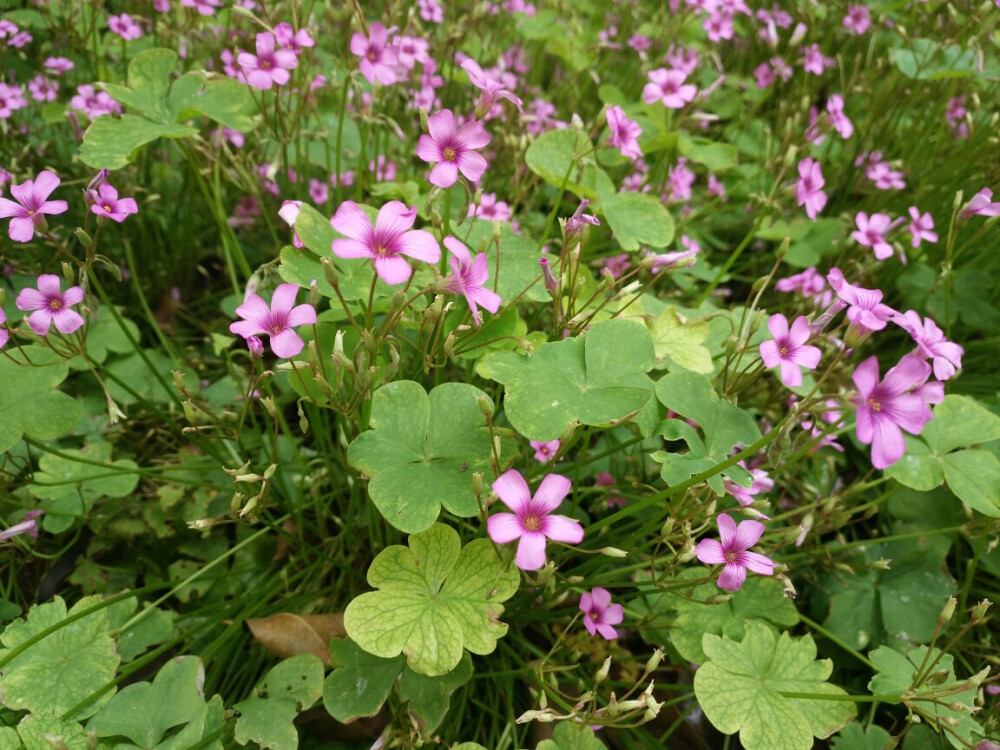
[[286, 634]]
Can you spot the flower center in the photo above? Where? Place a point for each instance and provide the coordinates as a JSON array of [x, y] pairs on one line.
[[265, 65], [595, 616], [381, 250], [107, 208], [731, 556], [55, 304], [372, 55], [449, 154], [783, 351], [875, 405], [532, 523], [30, 212]]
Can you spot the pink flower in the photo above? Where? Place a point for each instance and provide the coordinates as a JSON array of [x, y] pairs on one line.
[[291, 39], [378, 57], [268, 67], [545, 452], [840, 122], [921, 227], [452, 150], [32, 204], [866, 311], [884, 177], [105, 202], [624, 133], [604, 479], [50, 305], [94, 104], [431, 11], [680, 180], [204, 7], [468, 277], [289, 212], [617, 264], [981, 204], [58, 65], [384, 243], [493, 89], [871, 233], [745, 495], [490, 209], [945, 356], [11, 99], [599, 614], [809, 191], [668, 86], [857, 19], [28, 526], [43, 89], [124, 26], [3, 329], [888, 407], [788, 349], [732, 552], [814, 61], [277, 321], [532, 522]]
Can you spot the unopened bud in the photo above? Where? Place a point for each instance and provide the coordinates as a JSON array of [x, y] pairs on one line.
[[791, 155], [979, 611], [497, 230], [178, 377], [250, 506], [248, 478], [938, 677], [188, 411], [256, 347], [551, 282], [268, 403], [602, 673], [313, 297], [269, 472], [613, 552], [84, 238], [478, 486], [882, 564], [654, 661], [303, 421], [949, 610], [329, 271]]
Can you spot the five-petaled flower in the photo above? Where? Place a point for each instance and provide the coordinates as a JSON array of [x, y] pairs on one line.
[[452, 149], [532, 521], [809, 190], [624, 133], [390, 238], [788, 348], [104, 202], [599, 614], [544, 451], [668, 86], [269, 66], [50, 305], [32, 204], [468, 277], [277, 321], [378, 57], [732, 551]]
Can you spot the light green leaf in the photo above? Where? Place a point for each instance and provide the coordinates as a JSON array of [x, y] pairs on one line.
[[10, 741], [960, 422], [681, 341], [428, 697], [929, 60], [422, 450], [267, 716], [717, 157], [519, 269], [918, 468], [37, 733], [856, 737], [596, 378], [359, 682], [151, 628], [556, 156], [105, 336], [743, 687], [434, 598], [64, 668], [29, 405], [145, 712], [149, 80], [224, 100], [111, 142], [974, 476], [570, 736], [638, 219]]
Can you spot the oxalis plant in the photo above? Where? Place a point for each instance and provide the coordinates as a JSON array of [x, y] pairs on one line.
[[495, 375]]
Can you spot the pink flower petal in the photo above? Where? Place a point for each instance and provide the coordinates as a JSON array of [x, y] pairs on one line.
[[530, 551], [301, 315], [710, 552], [420, 245], [44, 184], [562, 529], [757, 563], [551, 492], [286, 344], [733, 576], [66, 320], [513, 491], [394, 218], [351, 221], [504, 527], [392, 269]]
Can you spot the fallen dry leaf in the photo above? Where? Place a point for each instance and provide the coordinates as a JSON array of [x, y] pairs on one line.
[[286, 634]]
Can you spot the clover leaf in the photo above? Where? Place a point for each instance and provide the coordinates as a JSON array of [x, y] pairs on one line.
[[422, 451], [681, 341], [593, 379], [758, 687], [30, 406], [267, 716], [724, 426], [58, 672], [359, 683], [972, 473], [570, 736], [433, 599], [637, 219], [856, 737]]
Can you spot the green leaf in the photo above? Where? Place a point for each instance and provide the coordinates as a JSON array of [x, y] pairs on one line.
[[918, 468], [570, 736], [64, 668], [111, 142], [267, 716], [30, 406], [152, 627], [519, 269], [856, 737], [359, 682], [224, 100], [70, 487], [149, 80], [596, 378], [928, 60], [724, 426], [553, 156], [960, 422], [743, 687], [638, 219], [903, 679], [974, 476], [105, 336], [422, 450], [433, 598], [428, 697], [717, 157], [681, 341], [37, 733], [145, 712]]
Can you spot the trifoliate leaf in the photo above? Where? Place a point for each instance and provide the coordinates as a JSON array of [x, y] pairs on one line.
[[55, 674], [427, 698], [570, 736], [359, 682], [517, 271], [38, 732], [30, 406], [267, 716], [637, 219], [422, 450], [596, 378], [759, 687], [557, 157], [856, 737], [681, 341], [433, 598]]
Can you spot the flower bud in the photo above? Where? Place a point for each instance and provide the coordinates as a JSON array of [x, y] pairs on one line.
[[551, 282], [329, 271], [613, 552], [256, 347], [602, 673], [949, 610], [979, 611], [654, 661]]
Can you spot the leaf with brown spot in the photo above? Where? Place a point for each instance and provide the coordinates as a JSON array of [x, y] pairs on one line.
[[286, 634]]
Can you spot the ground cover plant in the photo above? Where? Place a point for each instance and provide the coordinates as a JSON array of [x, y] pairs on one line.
[[499, 375]]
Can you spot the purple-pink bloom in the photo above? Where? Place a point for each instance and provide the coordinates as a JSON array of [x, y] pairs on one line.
[[105, 202], [532, 521], [269, 66], [390, 238], [32, 204], [624, 133], [921, 227], [43, 89], [204, 7], [599, 614], [94, 104], [545, 451], [866, 311], [857, 19], [124, 26], [468, 279], [945, 355], [3, 329], [732, 551], [981, 204], [814, 61], [788, 348], [886, 408], [452, 149], [289, 212], [604, 479], [884, 177], [378, 58], [493, 89], [50, 305], [28, 526], [809, 190], [668, 86], [277, 321], [840, 121], [291, 39], [11, 99], [871, 233], [745, 495]]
